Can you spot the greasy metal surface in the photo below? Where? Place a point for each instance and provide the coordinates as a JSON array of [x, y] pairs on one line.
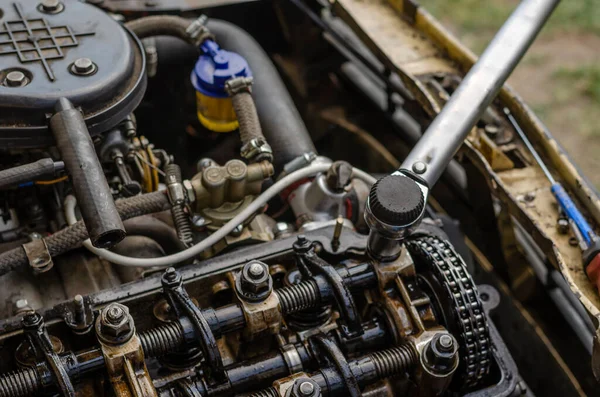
[[426, 47]]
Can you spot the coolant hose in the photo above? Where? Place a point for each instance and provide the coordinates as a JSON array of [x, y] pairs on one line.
[[221, 233], [161, 25], [281, 122], [29, 172], [71, 237]]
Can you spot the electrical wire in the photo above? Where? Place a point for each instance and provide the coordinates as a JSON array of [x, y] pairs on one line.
[[53, 181], [195, 250]]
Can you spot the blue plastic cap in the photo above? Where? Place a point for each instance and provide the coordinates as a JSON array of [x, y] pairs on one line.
[[214, 67]]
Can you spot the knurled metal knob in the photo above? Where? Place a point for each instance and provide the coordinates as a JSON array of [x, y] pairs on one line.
[[396, 200]]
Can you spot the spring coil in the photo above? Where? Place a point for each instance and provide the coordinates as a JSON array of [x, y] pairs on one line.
[[393, 361], [21, 383], [269, 392], [162, 340], [182, 224], [181, 220], [302, 296]]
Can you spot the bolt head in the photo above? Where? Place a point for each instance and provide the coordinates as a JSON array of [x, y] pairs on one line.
[[306, 388], [50, 5], [16, 78], [171, 278], [562, 225], [22, 306], [441, 353], [445, 343], [255, 282], [419, 167], [115, 314], [83, 66], [256, 270], [115, 321], [302, 244], [32, 319]]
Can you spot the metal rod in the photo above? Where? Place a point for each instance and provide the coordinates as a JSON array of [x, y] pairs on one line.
[[533, 152], [478, 89]]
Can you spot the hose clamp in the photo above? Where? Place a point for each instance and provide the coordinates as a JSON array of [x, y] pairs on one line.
[[256, 148], [198, 31], [38, 255], [238, 84]]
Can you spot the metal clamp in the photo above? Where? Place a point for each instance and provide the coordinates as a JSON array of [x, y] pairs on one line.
[[198, 31], [238, 84], [256, 147], [182, 304], [35, 330], [38, 255], [310, 264], [292, 358]]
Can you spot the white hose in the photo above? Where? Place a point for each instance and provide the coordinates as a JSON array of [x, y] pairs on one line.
[[195, 250]]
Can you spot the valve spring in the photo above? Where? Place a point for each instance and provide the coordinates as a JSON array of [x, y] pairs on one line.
[[162, 340], [21, 383], [394, 361], [312, 318], [299, 297], [269, 392]]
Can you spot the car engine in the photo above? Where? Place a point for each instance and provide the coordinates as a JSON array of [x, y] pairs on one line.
[[200, 199]]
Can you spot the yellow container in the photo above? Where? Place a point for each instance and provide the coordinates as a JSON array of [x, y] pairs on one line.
[[216, 114]]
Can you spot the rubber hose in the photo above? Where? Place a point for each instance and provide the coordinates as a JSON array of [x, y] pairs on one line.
[[245, 111], [155, 229], [161, 25], [281, 123], [73, 236], [89, 183], [29, 172]]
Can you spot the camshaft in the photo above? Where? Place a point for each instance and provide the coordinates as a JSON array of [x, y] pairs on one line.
[[366, 370]]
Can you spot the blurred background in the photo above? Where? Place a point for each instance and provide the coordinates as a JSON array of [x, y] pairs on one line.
[[560, 75]]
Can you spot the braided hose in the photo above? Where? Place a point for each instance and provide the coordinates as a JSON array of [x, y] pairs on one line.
[[29, 172], [72, 237]]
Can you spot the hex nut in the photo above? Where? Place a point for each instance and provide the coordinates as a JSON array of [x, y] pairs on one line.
[[115, 324], [83, 67], [254, 283], [15, 78]]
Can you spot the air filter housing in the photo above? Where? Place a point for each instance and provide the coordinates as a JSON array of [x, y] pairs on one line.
[[65, 49]]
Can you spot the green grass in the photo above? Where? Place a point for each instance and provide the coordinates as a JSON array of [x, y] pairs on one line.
[[476, 21], [584, 80]]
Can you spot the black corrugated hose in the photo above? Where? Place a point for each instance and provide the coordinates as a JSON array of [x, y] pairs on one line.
[[72, 236]]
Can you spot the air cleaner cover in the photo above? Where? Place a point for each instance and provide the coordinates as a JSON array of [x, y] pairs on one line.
[[43, 45]]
